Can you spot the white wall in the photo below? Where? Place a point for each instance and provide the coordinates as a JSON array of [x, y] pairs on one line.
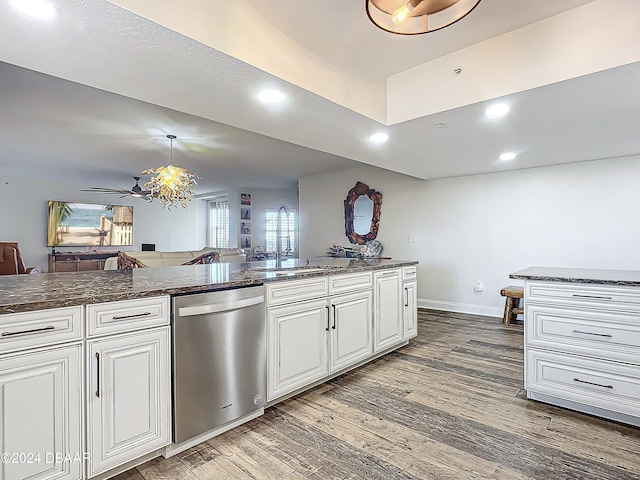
[[486, 226], [24, 219]]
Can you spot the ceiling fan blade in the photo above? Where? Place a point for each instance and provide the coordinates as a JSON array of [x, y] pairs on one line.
[[136, 191], [106, 190]]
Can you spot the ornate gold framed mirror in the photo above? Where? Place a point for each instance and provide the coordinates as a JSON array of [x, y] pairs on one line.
[[362, 213]]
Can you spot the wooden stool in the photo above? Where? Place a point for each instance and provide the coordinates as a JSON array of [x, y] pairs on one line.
[[512, 303]]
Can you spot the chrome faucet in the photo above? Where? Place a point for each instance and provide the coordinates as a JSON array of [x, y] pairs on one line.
[[284, 209]]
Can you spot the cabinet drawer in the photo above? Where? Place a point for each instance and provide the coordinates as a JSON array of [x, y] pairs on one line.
[[615, 336], [350, 282], [599, 383], [113, 317], [44, 327], [587, 296], [409, 273], [296, 290]]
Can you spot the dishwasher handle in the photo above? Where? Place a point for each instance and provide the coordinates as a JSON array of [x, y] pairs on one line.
[[220, 307]]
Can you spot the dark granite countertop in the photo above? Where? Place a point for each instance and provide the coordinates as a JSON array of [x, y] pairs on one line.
[[22, 293], [629, 278]]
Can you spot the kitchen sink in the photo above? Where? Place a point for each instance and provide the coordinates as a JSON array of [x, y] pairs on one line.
[[290, 271]]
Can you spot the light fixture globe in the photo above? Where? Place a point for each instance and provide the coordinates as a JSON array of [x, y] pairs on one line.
[[414, 17], [173, 186]]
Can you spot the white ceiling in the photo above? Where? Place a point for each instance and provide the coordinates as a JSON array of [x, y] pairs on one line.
[[64, 130], [346, 24], [69, 130]]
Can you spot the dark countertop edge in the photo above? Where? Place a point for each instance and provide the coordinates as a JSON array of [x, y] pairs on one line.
[[300, 274], [579, 275], [543, 278], [113, 297]]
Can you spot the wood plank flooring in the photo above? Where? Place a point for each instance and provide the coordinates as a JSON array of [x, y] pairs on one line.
[[449, 405]]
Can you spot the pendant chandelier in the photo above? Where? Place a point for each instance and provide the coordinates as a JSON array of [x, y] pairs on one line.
[[171, 185], [414, 17]]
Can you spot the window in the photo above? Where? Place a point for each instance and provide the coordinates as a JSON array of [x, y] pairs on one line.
[[219, 223], [271, 228]]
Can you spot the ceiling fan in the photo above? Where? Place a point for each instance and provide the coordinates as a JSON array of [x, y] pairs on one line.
[[135, 191]]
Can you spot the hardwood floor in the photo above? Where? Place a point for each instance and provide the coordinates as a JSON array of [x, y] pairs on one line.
[[449, 405]]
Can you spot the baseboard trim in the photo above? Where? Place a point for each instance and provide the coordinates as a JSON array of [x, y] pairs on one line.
[[460, 307]]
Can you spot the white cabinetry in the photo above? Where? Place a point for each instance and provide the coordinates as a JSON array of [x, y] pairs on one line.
[[410, 305], [351, 338], [410, 312], [41, 395], [127, 388], [19, 331], [311, 339], [128, 383], [582, 348], [297, 346], [388, 323], [40, 414]]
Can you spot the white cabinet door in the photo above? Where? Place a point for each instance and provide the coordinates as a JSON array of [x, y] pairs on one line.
[[410, 309], [128, 397], [41, 414], [297, 346], [387, 326], [351, 325]]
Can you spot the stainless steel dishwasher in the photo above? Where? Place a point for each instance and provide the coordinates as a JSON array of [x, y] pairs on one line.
[[219, 359]]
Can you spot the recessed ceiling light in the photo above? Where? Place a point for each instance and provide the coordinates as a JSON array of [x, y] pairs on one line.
[[378, 138], [271, 96], [505, 157], [35, 8], [497, 110]]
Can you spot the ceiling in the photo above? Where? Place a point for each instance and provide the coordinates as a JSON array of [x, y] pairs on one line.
[[101, 88], [61, 129], [351, 31]]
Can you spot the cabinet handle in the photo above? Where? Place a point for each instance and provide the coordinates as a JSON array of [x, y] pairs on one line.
[[26, 332], [406, 302], [334, 317], [328, 319], [595, 297], [591, 383], [594, 334], [97, 375], [137, 315]]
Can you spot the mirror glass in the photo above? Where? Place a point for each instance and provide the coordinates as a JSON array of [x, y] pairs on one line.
[[362, 214]]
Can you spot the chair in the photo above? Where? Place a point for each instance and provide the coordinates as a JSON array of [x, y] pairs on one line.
[[11, 261], [512, 303]]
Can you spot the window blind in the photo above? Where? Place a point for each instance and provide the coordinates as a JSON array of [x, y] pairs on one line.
[[272, 227], [219, 223]]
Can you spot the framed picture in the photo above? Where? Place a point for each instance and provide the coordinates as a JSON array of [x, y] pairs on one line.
[[245, 199], [245, 228], [245, 242], [245, 213]]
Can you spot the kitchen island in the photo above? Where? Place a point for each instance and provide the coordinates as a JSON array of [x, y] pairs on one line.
[[86, 357], [582, 340], [23, 293]]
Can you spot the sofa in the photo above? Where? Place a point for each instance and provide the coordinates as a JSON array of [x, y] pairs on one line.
[[172, 259]]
